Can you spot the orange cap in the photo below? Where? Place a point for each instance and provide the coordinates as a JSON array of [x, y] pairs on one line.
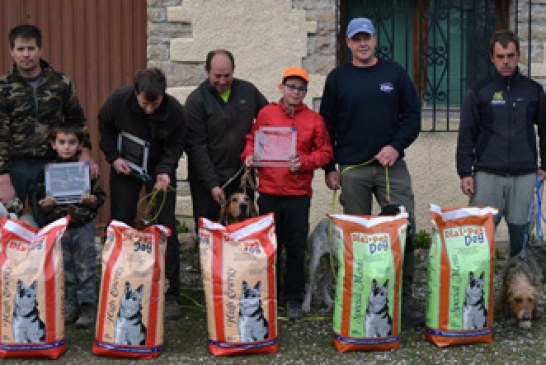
[[295, 72]]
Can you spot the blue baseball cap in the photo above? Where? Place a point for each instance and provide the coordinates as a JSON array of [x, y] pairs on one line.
[[360, 25]]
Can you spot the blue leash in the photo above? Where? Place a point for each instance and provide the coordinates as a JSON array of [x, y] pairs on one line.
[[539, 191]]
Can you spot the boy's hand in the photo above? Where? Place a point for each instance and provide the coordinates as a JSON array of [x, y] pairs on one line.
[[47, 204], [88, 200], [295, 164]]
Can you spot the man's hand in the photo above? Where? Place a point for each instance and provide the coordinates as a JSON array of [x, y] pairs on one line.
[[162, 182], [7, 192], [249, 161], [218, 195], [467, 185], [88, 200], [85, 155], [121, 167], [332, 179], [47, 204], [387, 156], [541, 174]]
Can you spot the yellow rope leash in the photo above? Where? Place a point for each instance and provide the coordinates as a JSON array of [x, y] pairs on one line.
[[151, 203]]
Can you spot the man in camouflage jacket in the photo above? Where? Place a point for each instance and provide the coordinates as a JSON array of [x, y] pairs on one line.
[[33, 98]]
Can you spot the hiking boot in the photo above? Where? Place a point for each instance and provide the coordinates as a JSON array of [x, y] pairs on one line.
[[411, 317], [293, 310], [87, 316], [172, 309]]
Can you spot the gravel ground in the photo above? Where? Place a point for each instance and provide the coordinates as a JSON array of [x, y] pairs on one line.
[[309, 341]]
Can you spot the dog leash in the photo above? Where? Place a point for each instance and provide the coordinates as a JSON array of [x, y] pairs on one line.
[[539, 191], [151, 203], [334, 201]]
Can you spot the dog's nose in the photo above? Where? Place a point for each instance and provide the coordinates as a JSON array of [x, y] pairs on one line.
[[526, 317], [243, 208]]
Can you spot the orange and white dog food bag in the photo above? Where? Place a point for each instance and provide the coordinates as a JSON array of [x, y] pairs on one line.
[[238, 268], [132, 300], [461, 269], [32, 284], [369, 281]]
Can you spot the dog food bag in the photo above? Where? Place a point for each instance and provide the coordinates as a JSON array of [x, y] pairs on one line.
[[132, 300], [461, 266], [32, 282], [238, 268], [369, 281]]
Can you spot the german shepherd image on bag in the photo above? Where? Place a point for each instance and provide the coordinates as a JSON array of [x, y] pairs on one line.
[[129, 327], [252, 324], [27, 325]]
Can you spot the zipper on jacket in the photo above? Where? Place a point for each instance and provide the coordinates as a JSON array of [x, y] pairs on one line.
[[510, 122]]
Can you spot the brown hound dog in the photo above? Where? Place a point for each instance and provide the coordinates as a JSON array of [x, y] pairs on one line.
[[238, 208]]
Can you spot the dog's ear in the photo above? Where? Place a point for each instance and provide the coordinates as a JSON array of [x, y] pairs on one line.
[[482, 275], [470, 276], [245, 286], [140, 289], [374, 284], [19, 284], [128, 287], [386, 284], [34, 285], [258, 286]]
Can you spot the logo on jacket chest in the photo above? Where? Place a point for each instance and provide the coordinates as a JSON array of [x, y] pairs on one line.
[[498, 98], [386, 87]]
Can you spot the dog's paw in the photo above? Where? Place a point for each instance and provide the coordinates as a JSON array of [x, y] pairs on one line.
[[524, 324]]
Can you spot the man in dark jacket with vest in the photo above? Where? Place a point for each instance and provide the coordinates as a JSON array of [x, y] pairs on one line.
[[146, 116], [219, 113], [496, 148]]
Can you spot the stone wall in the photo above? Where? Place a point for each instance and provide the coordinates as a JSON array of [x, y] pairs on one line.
[[266, 36]]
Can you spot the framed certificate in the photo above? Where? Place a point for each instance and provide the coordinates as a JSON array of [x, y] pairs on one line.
[[274, 146], [68, 181], [134, 151]]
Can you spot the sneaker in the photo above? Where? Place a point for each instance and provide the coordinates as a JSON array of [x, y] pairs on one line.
[[411, 317], [172, 309], [87, 316], [293, 310]]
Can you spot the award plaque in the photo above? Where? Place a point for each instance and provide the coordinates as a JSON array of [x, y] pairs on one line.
[[274, 146], [134, 151], [68, 181]]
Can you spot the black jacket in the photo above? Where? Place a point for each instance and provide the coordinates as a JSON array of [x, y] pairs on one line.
[[217, 130], [164, 129], [497, 134]]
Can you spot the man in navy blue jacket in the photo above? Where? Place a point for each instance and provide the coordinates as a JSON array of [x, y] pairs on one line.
[[496, 148], [372, 112]]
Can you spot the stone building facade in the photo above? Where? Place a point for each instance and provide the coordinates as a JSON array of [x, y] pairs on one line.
[[265, 37]]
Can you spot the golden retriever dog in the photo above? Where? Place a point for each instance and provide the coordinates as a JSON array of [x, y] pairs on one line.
[[238, 207], [521, 290]]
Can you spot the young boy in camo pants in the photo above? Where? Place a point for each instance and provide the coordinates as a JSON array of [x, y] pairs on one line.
[[78, 241]]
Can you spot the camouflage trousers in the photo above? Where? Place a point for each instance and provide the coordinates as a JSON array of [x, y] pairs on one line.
[[79, 266]]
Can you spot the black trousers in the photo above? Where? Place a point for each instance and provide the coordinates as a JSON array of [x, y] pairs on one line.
[[292, 227], [124, 196]]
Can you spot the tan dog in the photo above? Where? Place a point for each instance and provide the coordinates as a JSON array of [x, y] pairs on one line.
[[238, 208], [521, 290]]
